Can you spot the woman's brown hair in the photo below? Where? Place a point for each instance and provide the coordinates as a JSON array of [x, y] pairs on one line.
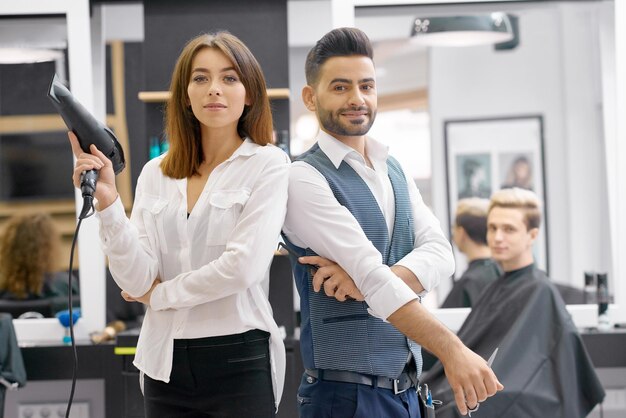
[[181, 126], [29, 248]]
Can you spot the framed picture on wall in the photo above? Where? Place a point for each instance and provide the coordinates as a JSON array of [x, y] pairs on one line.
[[486, 155]]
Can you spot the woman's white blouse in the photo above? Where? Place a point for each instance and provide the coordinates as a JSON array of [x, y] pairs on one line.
[[214, 265]]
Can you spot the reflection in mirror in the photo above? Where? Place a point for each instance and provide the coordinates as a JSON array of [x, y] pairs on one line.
[[554, 72], [76, 32], [33, 283], [36, 197]]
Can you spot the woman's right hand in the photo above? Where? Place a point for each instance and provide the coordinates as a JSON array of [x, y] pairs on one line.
[[106, 192], [145, 299]]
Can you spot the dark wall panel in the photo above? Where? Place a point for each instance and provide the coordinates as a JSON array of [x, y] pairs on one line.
[[260, 24], [24, 88], [135, 109]]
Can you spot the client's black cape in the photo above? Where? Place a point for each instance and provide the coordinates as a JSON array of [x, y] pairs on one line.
[[541, 361], [467, 290]]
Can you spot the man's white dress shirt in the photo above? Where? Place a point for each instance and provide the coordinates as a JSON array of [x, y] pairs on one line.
[[316, 220]]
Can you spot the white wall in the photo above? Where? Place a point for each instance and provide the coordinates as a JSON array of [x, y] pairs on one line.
[[307, 21], [123, 22]]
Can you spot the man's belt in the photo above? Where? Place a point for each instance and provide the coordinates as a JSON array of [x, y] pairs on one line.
[[399, 385]]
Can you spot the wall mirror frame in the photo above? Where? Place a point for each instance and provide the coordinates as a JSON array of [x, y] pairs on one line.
[[90, 257], [345, 13]]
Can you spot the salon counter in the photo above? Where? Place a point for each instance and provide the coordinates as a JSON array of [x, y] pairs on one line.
[[49, 367], [120, 382], [606, 348]]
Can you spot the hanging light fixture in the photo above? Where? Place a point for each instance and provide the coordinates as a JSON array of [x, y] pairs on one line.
[[463, 30], [27, 40], [14, 55]]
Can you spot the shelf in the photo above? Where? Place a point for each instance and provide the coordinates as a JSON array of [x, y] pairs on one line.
[[163, 96], [53, 207]]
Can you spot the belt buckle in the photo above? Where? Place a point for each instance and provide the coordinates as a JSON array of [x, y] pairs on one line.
[[395, 387]]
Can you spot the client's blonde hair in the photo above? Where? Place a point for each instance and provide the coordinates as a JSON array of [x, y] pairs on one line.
[[522, 199]]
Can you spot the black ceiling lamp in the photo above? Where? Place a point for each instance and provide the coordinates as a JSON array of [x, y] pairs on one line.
[[490, 29], [17, 55]]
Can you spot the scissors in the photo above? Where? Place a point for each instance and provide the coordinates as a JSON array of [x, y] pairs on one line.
[[313, 267], [289, 250], [489, 363]]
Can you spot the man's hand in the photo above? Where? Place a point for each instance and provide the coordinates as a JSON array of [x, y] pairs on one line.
[[469, 375], [335, 281], [470, 378], [145, 299]]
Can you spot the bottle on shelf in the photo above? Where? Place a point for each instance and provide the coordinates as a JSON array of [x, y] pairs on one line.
[[590, 290], [64, 319], [165, 145], [155, 147], [604, 322]]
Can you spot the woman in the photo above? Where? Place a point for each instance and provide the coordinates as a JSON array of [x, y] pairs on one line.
[[29, 261], [200, 240], [520, 174]]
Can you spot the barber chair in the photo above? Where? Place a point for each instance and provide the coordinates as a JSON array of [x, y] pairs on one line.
[[12, 371], [33, 308]]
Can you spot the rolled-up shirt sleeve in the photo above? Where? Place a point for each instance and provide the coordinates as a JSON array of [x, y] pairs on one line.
[[316, 220], [431, 258]]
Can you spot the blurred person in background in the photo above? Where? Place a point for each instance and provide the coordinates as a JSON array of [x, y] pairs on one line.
[[470, 237], [30, 262]]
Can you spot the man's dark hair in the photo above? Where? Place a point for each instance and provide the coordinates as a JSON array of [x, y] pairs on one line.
[[341, 42], [471, 215], [475, 226]]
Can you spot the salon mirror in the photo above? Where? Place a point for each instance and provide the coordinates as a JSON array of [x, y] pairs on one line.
[[30, 130], [33, 154]]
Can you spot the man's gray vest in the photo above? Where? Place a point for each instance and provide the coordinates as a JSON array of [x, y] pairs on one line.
[[343, 335]]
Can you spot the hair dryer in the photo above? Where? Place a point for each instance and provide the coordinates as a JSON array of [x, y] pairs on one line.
[[89, 131]]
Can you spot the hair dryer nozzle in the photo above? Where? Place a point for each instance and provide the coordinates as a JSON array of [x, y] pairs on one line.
[[88, 130]]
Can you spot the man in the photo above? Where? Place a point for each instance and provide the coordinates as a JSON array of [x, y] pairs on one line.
[[541, 357], [470, 236], [350, 203]]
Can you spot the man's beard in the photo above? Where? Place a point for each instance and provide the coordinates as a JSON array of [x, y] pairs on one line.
[[331, 121]]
